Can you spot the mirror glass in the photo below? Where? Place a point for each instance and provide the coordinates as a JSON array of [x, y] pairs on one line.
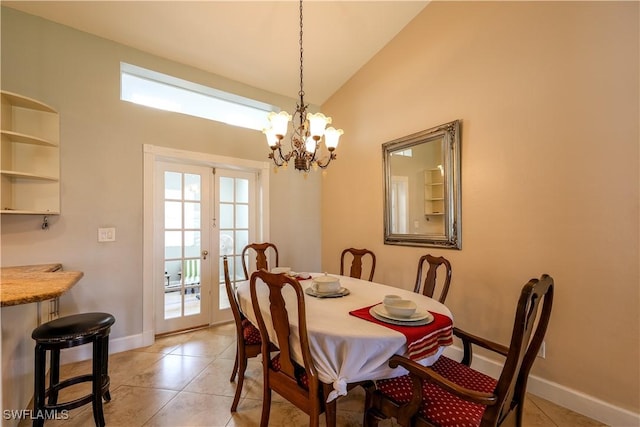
[[422, 188]]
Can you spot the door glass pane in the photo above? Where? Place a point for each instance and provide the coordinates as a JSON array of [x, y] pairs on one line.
[[192, 244], [172, 214], [192, 187], [191, 272], [191, 215], [242, 190], [242, 240], [172, 275], [172, 244], [172, 285], [191, 277], [172, 185], [242, 216], [226, 215], [226, 244], [226, 189], [172, 304]]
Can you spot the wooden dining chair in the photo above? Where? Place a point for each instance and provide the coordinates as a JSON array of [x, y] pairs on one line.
[[356, 262], [296, 382], [261, 256], [431, 278], [451, 393], [248, 343]]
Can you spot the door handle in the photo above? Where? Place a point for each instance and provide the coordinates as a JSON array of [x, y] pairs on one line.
[[204, 254]]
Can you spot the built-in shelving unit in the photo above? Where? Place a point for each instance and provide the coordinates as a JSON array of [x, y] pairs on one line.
[[433, 192], [30, 156]]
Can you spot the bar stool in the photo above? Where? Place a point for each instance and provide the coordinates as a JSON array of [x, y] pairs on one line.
[[67, 332]]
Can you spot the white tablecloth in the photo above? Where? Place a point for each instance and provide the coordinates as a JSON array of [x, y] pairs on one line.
[[346, 349]]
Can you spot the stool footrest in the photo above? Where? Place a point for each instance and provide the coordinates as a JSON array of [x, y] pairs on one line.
[[76, 403], [73, 404], [69, 382]]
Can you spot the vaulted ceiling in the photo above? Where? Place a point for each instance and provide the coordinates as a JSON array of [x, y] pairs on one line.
[[253, 42]]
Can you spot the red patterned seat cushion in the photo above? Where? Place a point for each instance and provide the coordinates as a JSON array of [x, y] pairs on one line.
[[250, 333], [441, 407], [299, 372]]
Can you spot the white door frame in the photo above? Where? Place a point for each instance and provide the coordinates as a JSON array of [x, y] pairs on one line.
[[399, 196], [153, 153]]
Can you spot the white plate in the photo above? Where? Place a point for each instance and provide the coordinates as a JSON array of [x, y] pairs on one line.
[[418, 315], [422, 322], [339, 293]]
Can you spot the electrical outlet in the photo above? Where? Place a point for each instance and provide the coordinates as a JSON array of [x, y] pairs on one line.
[[542, 351], [106, 234]]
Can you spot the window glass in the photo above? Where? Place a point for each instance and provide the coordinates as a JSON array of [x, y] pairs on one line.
[[152, 89]]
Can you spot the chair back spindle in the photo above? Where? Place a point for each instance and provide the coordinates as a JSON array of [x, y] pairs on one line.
[[356, 268], [431, 279], [261, 250]]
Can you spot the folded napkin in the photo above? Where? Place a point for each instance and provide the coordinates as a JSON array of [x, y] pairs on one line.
[[422, 341]]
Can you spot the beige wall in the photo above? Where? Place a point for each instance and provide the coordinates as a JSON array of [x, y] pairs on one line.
[[548, 98]]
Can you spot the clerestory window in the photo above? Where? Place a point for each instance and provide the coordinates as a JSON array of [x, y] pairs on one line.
[[153, 89]]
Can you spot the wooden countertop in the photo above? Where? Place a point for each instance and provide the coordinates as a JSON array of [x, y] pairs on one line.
[[34, 283]]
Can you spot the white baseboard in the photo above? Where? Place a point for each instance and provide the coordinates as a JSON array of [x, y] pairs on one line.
[[574, 400], [117, 345]]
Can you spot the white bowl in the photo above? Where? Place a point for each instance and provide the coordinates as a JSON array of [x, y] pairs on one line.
[[278, 270], [325, 284], [388, 299], [401, 308]]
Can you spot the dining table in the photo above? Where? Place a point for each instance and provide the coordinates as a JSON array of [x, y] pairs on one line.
[[349, 345]]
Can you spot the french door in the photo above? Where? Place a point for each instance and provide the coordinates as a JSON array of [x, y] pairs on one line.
[[203, 214], [183, 230], [236, 215]]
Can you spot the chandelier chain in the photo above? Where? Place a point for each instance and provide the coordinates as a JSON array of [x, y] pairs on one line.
[[306, 136], [301, 93]]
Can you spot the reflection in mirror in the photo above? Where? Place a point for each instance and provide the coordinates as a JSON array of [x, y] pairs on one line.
[[422, 188]]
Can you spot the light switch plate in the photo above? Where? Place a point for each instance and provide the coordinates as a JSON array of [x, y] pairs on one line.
[[106, 234]]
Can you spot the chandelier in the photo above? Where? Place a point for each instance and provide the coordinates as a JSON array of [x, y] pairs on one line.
[[307, 132]]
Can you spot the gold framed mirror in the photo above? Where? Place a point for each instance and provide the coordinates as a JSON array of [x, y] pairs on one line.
[[422, 188]]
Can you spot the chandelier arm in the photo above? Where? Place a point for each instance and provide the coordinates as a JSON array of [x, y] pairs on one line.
[[286, 157], [273, 156], [275, 161], [324, 166], [313, 155]]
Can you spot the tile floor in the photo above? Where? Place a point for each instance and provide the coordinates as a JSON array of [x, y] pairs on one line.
[[183, 380]]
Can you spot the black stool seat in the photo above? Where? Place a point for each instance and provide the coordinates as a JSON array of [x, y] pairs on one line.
[[66, 332], [73, 327]]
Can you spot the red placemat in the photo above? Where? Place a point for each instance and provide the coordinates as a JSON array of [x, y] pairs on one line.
[[422, 341]]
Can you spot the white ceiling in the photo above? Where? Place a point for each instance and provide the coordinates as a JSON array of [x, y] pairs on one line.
[[253, 42]]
